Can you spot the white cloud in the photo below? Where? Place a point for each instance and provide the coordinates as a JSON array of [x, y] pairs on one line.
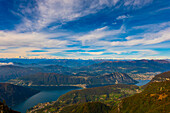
[[32, 39], [97, 34], [162, 9], [93, 53], [60, 11], [2, 64], [153, 27], [138, 51], [148, 38], [136, 3], [122, 17]]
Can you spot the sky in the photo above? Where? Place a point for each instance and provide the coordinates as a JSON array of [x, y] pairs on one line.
[[85, 29]]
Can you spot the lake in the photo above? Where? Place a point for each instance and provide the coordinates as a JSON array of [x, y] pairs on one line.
[[51, 93], [46, 94], [142, 82]]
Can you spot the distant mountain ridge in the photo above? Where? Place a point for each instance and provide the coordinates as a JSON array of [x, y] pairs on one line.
[[90, 68], [135, 66]]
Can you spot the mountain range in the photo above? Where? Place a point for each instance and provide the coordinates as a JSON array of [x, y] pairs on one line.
[[76, 67]]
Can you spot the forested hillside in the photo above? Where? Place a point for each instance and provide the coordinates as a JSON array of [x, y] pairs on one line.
[[59, 79], [89, 107], [154, 99]]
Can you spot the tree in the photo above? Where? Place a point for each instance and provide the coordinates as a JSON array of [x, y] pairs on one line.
[[4, 102]]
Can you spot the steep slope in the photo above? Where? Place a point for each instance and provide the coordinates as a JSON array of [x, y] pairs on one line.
[[13, 94], [5, 109], [161, 77], [154, 99], [59, 79]]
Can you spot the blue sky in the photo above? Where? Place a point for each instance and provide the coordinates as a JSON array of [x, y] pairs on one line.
[[87, 29]]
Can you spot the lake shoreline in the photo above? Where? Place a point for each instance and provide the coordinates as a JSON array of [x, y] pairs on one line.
[[50, 93]]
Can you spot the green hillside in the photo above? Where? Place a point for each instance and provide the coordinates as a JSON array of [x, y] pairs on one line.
[[89, 107], [154, 99]]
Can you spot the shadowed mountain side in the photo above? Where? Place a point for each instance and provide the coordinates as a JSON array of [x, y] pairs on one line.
[[13, 94]]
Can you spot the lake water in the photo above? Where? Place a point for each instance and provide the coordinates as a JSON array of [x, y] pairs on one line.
[[48, 94], [142, 82]]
